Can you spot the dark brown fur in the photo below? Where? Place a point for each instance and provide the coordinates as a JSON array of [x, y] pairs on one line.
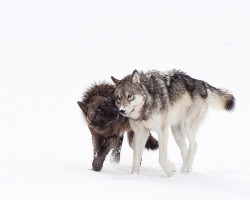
[[106, 125]]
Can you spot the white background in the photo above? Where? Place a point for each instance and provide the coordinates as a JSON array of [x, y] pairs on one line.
[[51, 51]]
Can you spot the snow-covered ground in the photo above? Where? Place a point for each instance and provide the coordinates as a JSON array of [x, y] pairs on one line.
[[51, 51]]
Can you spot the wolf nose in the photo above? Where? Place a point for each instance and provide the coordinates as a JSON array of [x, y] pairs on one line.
[[122, 111]]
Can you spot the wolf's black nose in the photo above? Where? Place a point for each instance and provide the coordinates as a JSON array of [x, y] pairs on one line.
[[122, 111]]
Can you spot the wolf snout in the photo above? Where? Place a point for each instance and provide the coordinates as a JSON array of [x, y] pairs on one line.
[[122, 110]]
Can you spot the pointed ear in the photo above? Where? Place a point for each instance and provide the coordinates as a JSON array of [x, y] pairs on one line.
[[116, 81], [135, 77], [96, 91], [83, 106]]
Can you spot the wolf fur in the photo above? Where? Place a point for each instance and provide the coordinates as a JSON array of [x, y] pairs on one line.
[[106, 125], [159, 100]]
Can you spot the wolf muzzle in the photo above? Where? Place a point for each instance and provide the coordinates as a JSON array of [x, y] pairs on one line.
[[122, 110]]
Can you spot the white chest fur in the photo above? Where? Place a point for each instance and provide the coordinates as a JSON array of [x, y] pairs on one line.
[[172, 116]]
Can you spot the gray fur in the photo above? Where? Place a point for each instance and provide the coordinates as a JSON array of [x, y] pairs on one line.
[[162, 99], [162, 89]]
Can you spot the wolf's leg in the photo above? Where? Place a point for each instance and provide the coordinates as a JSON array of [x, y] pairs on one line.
[[140, 138], [187, 164], [194, 119], [151, 144], [97, 142], [102, 152], [116, 152], [166, 165], [180, 139]]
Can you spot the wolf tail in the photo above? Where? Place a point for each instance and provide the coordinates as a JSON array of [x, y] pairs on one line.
[[152, 143], [220, 99]]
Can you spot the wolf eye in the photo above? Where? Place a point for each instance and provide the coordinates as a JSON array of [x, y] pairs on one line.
[[118, 101], [130, 97]]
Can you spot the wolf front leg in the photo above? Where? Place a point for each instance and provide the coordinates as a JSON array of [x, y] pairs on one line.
[[166, 165], [97, 142], [140, 138], [101, 152]]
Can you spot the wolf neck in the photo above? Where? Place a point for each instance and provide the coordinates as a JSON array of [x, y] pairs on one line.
[[110, 129], [102, 128], [155, 90]]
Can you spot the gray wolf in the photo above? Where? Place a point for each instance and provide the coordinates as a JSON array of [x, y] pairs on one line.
[[159, 100], [106, 125]]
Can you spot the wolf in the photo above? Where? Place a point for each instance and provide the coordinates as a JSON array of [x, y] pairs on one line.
[[106, 124], [158, 100]]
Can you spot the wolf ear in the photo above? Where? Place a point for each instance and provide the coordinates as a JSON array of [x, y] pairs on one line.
[[116, 81], [83, 106], [135, 77], [96, 90]]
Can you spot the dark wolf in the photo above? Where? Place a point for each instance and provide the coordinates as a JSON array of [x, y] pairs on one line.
[[106, 124], [158, 100]]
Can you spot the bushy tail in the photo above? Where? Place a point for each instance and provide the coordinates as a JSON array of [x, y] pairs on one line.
[[220, 99], [152, 143]]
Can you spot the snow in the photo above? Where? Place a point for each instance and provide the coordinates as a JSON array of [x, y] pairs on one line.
[[51, 51]]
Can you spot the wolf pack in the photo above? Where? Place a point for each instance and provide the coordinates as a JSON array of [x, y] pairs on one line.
[[152, 101]]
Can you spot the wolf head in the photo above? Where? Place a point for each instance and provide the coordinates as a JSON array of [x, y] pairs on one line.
[[100, 111], [129, 95]]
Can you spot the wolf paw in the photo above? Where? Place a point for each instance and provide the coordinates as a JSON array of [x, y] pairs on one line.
[[96, 167], [169, 173], [114, 159], [97, 164], [134, 171], [172, 167], [170, 170], [186, 169], [168, 167]]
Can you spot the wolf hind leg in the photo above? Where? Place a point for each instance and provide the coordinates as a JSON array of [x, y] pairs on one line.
[[116, 152], [164, 162], [188, 162], [194, 119], [180, 139]]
